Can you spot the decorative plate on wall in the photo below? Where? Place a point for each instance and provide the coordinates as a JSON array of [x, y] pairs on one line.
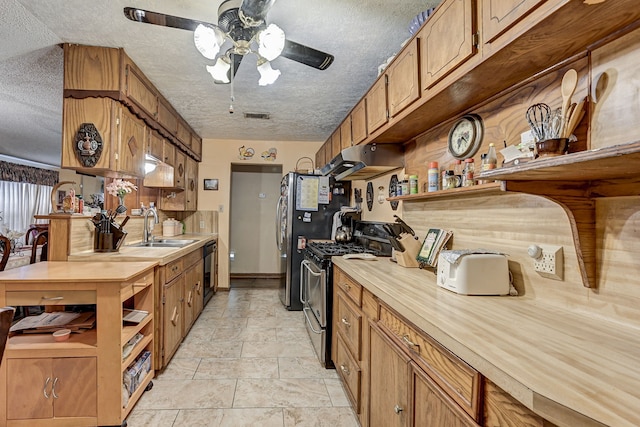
[[369, 196], [393, 186]]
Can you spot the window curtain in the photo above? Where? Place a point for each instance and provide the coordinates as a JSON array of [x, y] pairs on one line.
[[25, 191]]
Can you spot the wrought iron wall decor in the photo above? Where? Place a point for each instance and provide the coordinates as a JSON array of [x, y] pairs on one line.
[[88, 145]]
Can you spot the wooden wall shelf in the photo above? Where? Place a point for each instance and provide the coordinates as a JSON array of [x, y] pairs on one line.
[[491, 189], [574, 181]]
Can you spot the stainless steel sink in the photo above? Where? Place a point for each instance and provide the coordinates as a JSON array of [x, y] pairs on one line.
[[164, 243]]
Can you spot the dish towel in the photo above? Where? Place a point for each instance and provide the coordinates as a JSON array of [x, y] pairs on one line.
[[337, 219]]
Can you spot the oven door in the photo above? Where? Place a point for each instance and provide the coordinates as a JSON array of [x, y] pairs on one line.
[[313, 291], [317, 334]]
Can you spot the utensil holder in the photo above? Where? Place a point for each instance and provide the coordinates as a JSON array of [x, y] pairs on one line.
[[103, 242], [552, 147], [411, 249]]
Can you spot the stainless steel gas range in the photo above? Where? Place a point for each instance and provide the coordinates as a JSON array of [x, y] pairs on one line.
[[316, 280]]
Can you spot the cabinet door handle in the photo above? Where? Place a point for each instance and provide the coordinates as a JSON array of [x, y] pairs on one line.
[[52, 298], [408, 342], [53, 388], [345, 370], [198, 286], [397, 409], [44, 389], [347, 287], [174, 316], [190, 298], [346, 322]]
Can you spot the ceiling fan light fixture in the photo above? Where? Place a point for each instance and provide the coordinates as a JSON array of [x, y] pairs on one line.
[[219, 72], [208, 40], [271, 42], [267, 74]]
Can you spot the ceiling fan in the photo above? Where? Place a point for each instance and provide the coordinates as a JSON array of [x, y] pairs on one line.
[[242, 27]]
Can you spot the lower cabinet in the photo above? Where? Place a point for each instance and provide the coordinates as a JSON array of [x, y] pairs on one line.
[[389, 368], [52, 388], [181, 301]]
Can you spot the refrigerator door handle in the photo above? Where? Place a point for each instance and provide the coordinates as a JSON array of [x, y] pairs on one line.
[[279, 224]]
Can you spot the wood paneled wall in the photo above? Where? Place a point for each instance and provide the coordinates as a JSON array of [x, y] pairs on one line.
[[511, 222]]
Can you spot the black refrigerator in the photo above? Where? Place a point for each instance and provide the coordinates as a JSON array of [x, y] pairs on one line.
[[305, 211]]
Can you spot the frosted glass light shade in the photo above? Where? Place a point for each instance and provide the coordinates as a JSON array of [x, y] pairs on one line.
[[220, 70], [208, 40], [267, 74], [271, 42]]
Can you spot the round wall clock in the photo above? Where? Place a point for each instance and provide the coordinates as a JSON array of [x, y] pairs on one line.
[[465, 136], [369, 196]]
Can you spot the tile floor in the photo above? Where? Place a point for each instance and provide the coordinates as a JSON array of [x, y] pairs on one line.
[[246, 362]]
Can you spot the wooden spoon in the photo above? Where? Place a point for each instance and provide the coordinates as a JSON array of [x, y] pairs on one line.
[[569, 83], [574, 118]]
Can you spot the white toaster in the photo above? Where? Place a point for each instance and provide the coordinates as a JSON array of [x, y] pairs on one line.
[[475, 274]]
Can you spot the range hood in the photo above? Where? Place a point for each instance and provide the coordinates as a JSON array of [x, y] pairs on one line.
[[365, 161]]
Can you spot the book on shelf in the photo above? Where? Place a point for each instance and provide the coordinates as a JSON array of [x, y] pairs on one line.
[[51, 322], [133, 316], [435, 240]]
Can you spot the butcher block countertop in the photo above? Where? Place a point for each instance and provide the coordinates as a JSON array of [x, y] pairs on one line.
[[563, 365], [132, 253], [64, 272]]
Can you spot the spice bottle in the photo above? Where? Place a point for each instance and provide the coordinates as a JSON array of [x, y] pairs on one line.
[[405, 185], [489, 159], [432, 177], [413, 184], [469, 172]]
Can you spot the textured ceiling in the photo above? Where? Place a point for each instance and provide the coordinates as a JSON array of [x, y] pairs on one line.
[[305, 104]]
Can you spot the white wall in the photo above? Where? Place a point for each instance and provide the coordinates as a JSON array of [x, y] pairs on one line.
[[217, 158]]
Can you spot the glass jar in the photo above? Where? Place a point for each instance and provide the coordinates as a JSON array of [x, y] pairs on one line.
[[468, 173]]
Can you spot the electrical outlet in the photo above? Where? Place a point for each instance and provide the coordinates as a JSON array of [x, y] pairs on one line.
[[548, 260], [201, 224]]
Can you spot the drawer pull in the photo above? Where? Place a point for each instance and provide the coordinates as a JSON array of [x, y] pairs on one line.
[[44, 389], [347, 287], [52, 298], [346, 322], [397, 409], [174, 316], [408, 342], [345, 370]]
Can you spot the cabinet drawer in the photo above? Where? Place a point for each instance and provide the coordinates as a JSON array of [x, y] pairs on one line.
[[349, 287], [349, 325], [350, 373], [191, 258], [456, 378], [173, 270], [17, 298], [136, 285]]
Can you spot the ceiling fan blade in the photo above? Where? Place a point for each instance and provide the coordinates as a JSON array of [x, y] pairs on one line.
[[149, 17], [254, 12], [306, 55]]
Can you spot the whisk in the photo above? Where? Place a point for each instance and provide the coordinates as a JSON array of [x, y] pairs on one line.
[[538, 116]]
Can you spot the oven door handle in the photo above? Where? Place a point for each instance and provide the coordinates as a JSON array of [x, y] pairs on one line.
[[305, 267], [304, 310]]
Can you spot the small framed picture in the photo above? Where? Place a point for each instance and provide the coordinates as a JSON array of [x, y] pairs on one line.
[[211, 184]]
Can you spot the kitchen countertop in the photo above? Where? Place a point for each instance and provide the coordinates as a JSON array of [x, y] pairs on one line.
[[131, 253], [561, 364]]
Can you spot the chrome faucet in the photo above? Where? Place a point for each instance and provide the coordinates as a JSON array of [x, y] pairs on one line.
[[146, 233]]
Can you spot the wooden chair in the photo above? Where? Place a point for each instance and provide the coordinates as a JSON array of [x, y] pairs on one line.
[[6, 251], [42, 238], [33, 231], [6, 316]]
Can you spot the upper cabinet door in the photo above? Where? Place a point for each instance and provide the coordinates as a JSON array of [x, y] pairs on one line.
[[359, 123], [335, 143], [446, 40], [140, 91], [404, 83], [499, 15], [376, 105], [346, 140], [132, 142]]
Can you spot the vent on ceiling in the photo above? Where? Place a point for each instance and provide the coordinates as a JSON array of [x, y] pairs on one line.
[[261, 116]]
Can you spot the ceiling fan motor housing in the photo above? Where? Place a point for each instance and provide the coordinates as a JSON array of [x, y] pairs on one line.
[[230, 22]]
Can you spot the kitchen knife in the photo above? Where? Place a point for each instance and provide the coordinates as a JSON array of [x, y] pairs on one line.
[[404, 225], [393, 238]]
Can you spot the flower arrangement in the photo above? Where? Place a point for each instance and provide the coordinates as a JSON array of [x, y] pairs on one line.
[[120, 188]]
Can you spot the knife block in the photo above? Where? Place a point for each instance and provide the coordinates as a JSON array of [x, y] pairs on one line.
[[411, 249]]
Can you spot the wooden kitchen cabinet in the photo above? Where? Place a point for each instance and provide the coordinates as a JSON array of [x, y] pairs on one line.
[[346, 139], [359, 123], [123, 137], [78, 382], [155, 145], [179, 169], [191, 185], [389, 367], [446, 40], [167, 117], [140, 90], [403, 79], [187, 200], [500, 15], [376, 105], [48, 388], [336, 143], [430, 406], [181, 302]]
